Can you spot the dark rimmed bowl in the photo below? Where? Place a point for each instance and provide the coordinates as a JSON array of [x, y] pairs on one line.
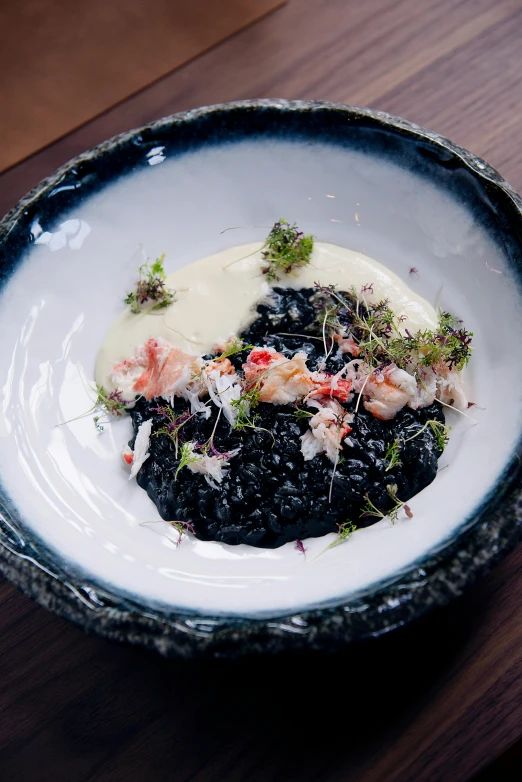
[[485, 529]]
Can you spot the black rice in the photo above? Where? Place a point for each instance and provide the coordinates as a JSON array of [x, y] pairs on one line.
[[270, 495]]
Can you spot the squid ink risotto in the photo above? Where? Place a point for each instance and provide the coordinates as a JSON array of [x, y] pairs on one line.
[[281, 392]]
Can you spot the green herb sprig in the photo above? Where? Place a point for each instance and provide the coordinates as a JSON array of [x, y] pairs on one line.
[[109, 403], [392, 455], [287, 249], [173, 424], [376, 332], [301, 414], [235, 346], [345, 531], [151, 287], [187, 456], [369, 509]]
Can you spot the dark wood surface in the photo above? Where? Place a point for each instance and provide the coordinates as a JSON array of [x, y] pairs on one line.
[[439, 700], [63, 62]]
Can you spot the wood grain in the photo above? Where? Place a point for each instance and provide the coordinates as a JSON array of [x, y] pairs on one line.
[[63, 62], [440, 700]]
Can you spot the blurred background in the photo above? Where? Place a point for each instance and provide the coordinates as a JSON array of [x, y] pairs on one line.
[[441, 700]]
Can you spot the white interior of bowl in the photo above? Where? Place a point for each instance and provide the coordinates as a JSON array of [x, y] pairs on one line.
[[69, 483]]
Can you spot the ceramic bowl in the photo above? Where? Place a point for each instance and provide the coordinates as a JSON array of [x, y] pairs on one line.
[[71, 532]]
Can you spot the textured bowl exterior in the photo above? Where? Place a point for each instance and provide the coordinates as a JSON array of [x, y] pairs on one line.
[[442, 575]]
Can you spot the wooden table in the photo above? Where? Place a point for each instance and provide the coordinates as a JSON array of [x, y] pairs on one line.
[[439, 700]]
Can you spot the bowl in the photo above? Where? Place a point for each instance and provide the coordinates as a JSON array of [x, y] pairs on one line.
[[74, 533]]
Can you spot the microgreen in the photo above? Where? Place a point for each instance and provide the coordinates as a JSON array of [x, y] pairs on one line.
[[440, 432], [376, 332], [248, 400], [187, 456], [299, 546], [109, 403], [301, 414], [286, 249], [369, 509], [182, 527], [113, 401], [173, 424], [345, 531], [234, 346], [150, 287], [392, 455]]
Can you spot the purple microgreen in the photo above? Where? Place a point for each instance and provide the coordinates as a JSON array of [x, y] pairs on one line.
[[173, 424], [299, 546], [182, 527], [150, 288], [108, 403]]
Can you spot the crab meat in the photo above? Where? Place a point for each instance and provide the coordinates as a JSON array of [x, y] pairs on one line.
[[347, 345], [331, 385], [128, 455], [450, 388], [282, 380], [388, 391], [224, 388], [213, 467], [155, 370], [140, 454], [328, 427]]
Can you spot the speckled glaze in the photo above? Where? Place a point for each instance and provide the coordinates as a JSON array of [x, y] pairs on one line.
[[441, 576]]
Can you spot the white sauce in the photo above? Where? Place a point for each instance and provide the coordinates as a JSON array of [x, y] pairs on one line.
[[216, 298]]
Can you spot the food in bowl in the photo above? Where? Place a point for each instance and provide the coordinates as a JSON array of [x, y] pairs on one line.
[[282, 391]]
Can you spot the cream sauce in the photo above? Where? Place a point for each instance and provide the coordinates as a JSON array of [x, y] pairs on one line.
[[216, 298]]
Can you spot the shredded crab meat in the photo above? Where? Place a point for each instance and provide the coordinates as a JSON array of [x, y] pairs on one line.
[[160, 370], [450, 388], [331, 385], [212, 467], [328, 427], [135, 458], [155, 370], [388, 392], [284, 381], [224, 388], [347, 345]]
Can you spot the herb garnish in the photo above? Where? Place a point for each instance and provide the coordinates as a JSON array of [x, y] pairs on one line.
[[300, 414], [440, 431], [174, 423], [107, 403], [369, 509], [376, 332], [345, 531], [187, 456], [392, 455], [151, 287], [287, 249], [182, 527], [248, 399], [234, 346]]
